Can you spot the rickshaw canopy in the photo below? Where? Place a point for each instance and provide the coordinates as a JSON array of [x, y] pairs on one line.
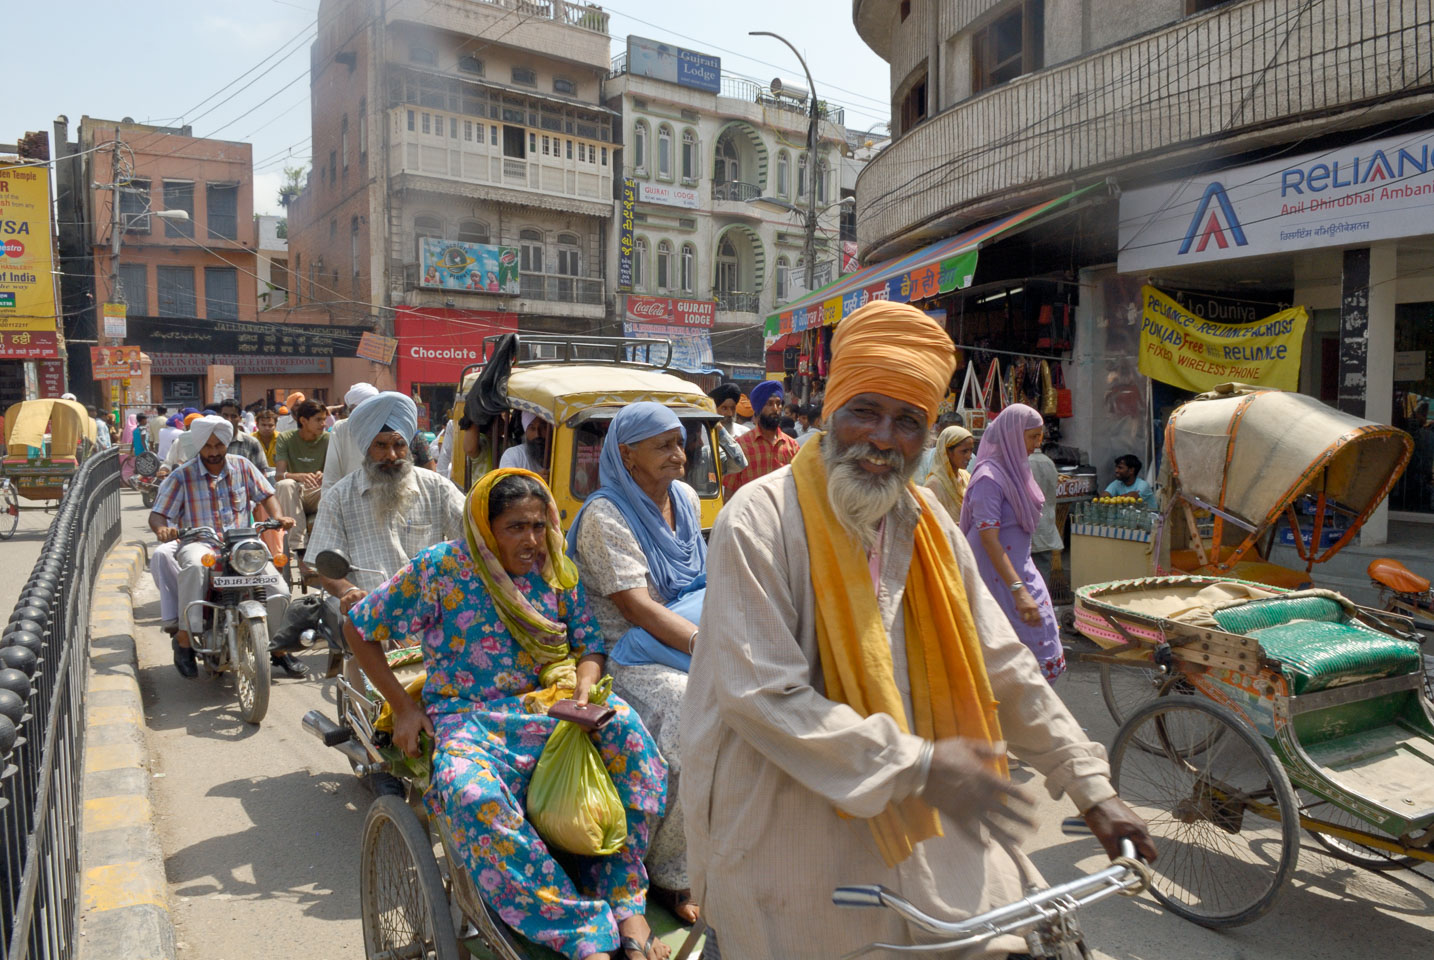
[[66, 421], [558, 392], [1251, 452]]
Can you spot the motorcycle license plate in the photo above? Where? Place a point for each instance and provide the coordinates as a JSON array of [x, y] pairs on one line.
[[258, 580]]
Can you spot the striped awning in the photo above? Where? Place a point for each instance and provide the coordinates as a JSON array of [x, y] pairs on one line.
[[942, 267]]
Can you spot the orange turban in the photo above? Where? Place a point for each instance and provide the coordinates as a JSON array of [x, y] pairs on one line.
[[892, 349], [744, 407], [190, 419], [293, 399]]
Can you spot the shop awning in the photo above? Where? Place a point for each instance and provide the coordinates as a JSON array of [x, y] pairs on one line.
[[942, 267]]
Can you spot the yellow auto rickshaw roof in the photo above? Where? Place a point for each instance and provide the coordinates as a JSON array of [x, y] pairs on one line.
[[26, 424], [558, 391], [1251, 451]]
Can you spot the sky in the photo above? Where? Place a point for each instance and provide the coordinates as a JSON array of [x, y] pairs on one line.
[[239, 71]]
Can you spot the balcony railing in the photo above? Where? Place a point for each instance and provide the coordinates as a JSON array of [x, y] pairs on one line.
[[1238, 69], [736, 302], [585, 15], [735, 190], [561, 289], [750, 91]]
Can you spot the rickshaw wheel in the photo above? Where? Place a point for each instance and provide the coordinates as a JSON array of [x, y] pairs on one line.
[[1126, 689], [9, 511], [1370, 858], [1222, 862], [401, 893]]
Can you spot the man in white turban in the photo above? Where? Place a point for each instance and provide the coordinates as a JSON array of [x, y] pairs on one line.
[[214, 489], [532, 453], [345, 456]]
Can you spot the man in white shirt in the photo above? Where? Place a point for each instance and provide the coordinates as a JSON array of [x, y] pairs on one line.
[[343, 457], [532, 453]]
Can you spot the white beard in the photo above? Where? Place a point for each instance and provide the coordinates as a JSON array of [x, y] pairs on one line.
[[391, 493], [862, 500]]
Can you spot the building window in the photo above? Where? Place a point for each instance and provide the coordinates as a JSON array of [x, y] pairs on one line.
[[453, 128], [525, 77], [726, 277], [179, 195], [134, 285], [639, 146], [514, 143], [848, 216], [333, 167], [664, 152], [570, 255], [819, 179], [426, 225], [354, 245], [729, 163], [221, 201], [664, 266], [909, 108], [344, 142], [570, 149], [470, 64], [1009, 47], [530, 243], [333, 228], [784, 279], [905, 10], [639, 263], [689, 269], [545, 145], [604, 156], [427, 123], [493, 135], [472, 231], [689, 156], [410, 121], [221, 293], [134, 206], [176, 291], [784, 174], [1199, 6], [417, 53], [565, 86], [802, 175], [363, 130]]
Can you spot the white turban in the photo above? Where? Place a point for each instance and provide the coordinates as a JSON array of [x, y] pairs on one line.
[[205, 427], [358, 393], [389, 410]]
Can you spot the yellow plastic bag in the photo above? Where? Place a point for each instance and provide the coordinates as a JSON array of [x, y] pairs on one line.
[[572, 802]]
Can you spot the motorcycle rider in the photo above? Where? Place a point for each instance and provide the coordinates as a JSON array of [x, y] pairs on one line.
[[214, 489]]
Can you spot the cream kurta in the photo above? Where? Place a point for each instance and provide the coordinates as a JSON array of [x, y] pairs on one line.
[[768, 760]]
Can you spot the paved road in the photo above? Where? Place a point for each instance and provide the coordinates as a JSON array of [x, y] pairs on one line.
[[260, 829], [18, 554]]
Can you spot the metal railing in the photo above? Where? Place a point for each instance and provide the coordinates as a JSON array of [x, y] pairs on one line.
[[562, 289], [738, 302], [735, 190], [43, 666], [750, 91], [587, 16]]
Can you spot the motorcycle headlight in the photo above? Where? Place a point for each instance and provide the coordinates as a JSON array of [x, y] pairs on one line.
[[249, 558]]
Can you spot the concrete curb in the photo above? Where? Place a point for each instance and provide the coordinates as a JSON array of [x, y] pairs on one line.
[[124, 901]]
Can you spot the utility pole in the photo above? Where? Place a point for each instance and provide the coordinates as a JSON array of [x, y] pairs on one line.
[[809, 247], [116, 235]]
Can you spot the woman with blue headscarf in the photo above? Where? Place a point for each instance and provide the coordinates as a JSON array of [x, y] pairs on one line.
[[639, 548]]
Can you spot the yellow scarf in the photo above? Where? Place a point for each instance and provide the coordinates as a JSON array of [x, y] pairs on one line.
[[950, 691]]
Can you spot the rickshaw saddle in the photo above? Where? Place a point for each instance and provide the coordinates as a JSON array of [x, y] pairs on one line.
[[1396, 576]]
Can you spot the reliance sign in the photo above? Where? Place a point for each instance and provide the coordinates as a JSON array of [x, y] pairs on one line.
[[1347, 196]]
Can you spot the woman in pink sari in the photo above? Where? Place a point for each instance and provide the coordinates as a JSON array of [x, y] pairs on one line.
[[1000, 512]]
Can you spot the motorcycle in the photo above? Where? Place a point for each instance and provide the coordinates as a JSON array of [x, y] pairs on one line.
[[236, 616]]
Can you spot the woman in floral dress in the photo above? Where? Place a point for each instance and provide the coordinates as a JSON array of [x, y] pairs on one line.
[[502, 619]]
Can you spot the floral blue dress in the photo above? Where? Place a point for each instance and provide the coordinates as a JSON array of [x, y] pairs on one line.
[[488, 744]]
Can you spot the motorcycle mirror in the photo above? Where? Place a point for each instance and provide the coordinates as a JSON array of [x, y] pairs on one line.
[[333, 564]]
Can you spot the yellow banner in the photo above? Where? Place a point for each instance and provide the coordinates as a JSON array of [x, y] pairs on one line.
[[1192, 353], [27, 284]]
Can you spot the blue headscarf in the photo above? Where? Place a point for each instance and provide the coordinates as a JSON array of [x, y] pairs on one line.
[[676, 559]]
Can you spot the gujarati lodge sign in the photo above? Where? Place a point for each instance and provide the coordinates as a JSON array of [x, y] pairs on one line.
[[1192, 353]]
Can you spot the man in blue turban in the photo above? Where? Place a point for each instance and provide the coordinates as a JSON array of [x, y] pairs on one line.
[[766, 447]]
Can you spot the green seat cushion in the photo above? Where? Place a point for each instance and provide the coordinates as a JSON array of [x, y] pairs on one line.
[[1258, 614], [1317, 654]]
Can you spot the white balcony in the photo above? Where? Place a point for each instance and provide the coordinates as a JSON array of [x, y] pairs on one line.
[[462, 149], [1236, 78]]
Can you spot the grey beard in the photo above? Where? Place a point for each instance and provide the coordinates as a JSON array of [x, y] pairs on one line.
[[391, 492], [859, 499]]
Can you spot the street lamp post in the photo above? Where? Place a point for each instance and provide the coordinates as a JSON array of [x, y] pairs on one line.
[[809, 248]]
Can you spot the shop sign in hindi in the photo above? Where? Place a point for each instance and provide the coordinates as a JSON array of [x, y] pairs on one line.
[[1347, 196], [28, 345], [482, 267], [1186, 351], [625, 240], [376, 348], [27, 264], [668, 195]]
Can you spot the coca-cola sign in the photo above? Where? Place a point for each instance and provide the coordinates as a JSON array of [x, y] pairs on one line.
[[696, 314]]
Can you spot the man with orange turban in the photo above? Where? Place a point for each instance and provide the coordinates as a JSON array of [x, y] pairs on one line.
[[854, 686]]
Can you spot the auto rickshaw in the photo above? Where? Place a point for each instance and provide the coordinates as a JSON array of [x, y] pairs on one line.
[[1238, 460], [577, 385], [45, 443]]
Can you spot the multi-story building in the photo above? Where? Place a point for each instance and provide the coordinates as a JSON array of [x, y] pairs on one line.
[[273, 268], [463, 175], [719, 183], [1266, 154]]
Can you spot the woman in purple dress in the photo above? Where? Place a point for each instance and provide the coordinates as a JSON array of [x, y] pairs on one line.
[[1000, 512]]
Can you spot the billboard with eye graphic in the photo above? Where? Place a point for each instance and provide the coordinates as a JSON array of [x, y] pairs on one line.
[[475, 267]]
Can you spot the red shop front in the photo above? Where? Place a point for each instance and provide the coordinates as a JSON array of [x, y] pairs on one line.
[[435, 344]]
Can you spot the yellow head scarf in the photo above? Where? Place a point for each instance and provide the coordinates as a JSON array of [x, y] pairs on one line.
[[892, 349], [953, 482], [545, 640]]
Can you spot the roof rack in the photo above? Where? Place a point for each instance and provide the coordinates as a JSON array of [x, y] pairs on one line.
[[634, 352]]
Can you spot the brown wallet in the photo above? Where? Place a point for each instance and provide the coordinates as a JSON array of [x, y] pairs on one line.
[[589, 716]]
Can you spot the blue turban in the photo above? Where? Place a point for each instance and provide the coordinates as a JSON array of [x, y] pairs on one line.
[[389, 410], [764, 392]]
